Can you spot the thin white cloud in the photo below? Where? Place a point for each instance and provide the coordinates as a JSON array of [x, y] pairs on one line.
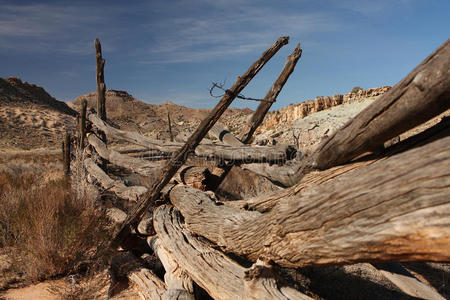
[[44, 27], [370, 7], [192, 39]]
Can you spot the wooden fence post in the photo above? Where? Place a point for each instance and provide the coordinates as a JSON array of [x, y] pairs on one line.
[[66, 154], [101, 87], [82, 124], [170, 126]]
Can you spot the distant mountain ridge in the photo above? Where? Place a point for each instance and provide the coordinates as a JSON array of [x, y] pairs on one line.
[[14, 91]]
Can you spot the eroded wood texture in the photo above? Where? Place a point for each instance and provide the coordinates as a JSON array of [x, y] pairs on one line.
[[395, 209], [271, 96], [180, 157], [179, 284], [221, 277], [421, 95], [131, 193]]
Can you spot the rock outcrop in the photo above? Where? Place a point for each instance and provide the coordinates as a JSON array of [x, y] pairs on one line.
[[287, 115]]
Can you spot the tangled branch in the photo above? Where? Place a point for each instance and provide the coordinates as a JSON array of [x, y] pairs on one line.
[[240, 96]]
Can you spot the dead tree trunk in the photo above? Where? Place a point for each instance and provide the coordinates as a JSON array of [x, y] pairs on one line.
[[395, 209], [271, 96], [180, 157]]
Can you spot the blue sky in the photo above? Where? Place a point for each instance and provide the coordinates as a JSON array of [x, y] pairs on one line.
[[173, 49]]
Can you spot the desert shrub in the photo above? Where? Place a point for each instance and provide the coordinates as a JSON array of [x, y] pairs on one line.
[[49, 229], [356, 89]]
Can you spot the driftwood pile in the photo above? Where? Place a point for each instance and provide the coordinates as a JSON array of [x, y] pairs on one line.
[[351, 201]]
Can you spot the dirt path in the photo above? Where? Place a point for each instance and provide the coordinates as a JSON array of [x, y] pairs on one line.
[[38, 291]]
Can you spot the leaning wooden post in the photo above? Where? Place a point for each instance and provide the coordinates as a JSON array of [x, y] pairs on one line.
[[66, 154], [180, 157], [101, 87], [271, 95], [82, 124]]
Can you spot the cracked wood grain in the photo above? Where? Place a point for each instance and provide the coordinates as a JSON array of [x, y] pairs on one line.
[[394, 209]]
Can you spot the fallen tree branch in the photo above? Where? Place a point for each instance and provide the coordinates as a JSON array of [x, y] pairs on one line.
[[134, 164], [221, 277], [278, 153], [395, 209], [179, 158], [119, 188]]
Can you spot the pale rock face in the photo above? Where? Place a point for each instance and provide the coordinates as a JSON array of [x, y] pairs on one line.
[[287, 115], [313, 120]]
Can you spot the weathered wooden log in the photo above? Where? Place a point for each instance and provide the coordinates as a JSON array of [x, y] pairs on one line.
[[82, 124], [179, 284], [266, 202], [119, 188], [407, 282], [243, 153], [134, 164], [395, 209], [224, 136], [271, 96], [126, 265], [420, 96], [196, 177], [100, 76], [180, 157], [285, 174], [221, 277], [149, 286], [66, 154]]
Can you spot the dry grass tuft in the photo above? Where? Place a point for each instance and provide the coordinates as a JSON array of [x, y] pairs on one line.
[[52, 230]]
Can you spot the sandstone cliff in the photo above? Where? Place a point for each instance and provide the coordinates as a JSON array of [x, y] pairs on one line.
[[287, 115]]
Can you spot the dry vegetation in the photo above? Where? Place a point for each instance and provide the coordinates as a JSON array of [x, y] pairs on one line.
[[46, 228]]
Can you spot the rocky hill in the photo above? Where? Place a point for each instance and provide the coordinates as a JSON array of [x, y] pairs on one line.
[[15, 92], [30, 117], [128, 113]]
